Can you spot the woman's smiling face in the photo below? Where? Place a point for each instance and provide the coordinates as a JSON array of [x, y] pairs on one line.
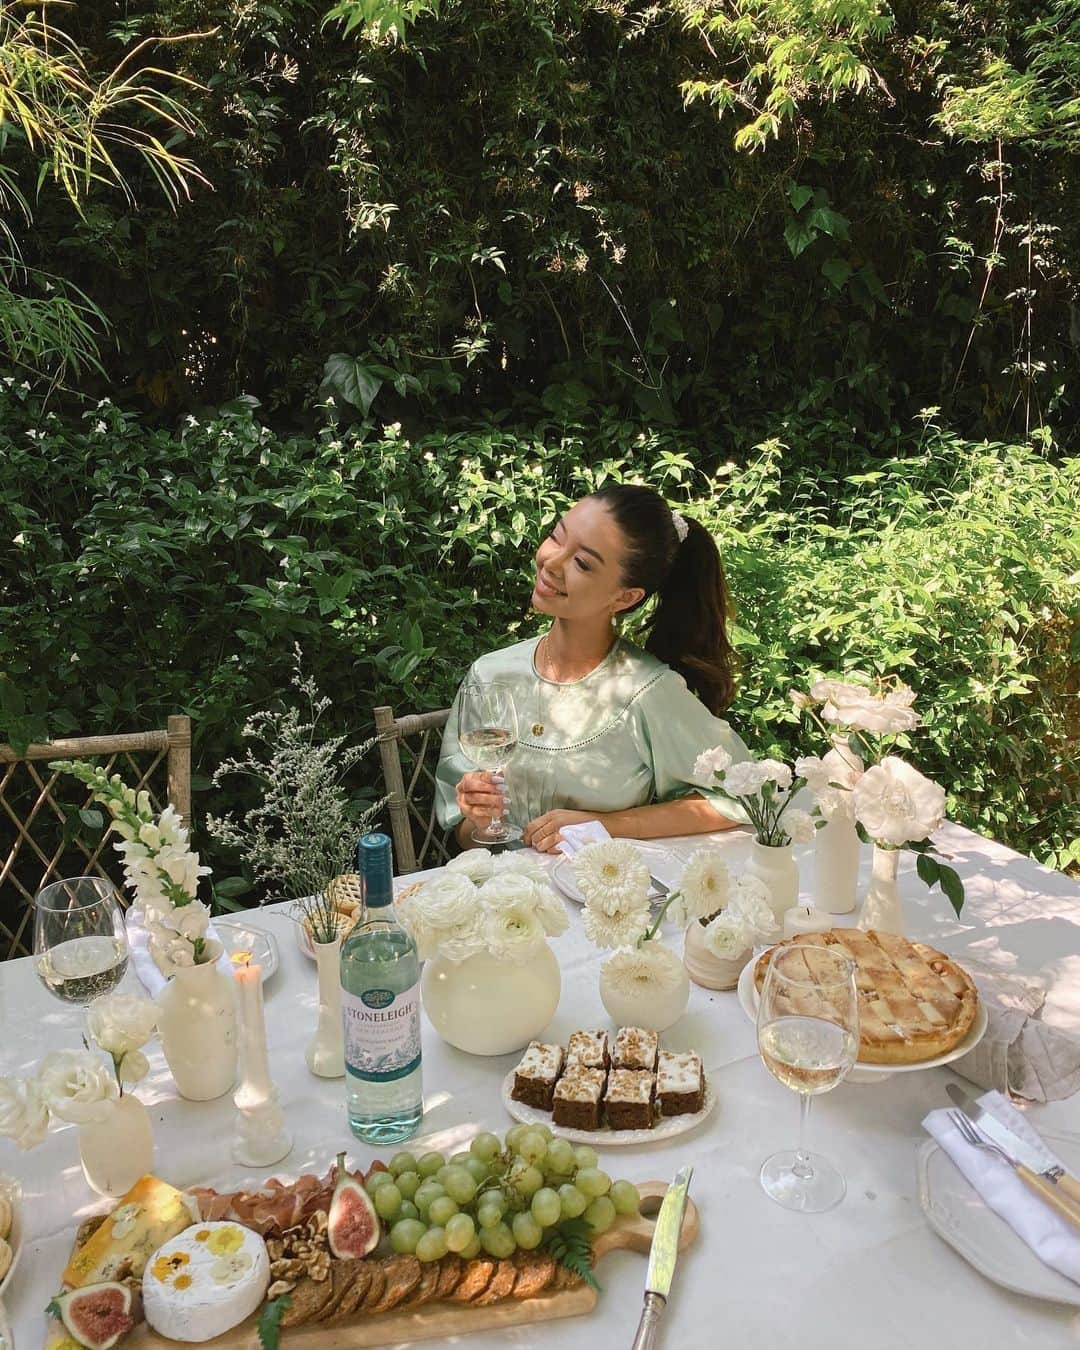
[[579, 566]]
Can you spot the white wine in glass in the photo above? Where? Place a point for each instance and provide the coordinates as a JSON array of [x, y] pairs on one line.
[[808, 1036], [488, 736], [80, 943]]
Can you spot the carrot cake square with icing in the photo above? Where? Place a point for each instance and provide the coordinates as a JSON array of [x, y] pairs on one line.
[[680, 1083], [535, 1077], [578, 1093], [589, 1049], [628, 1102], [635, 1048]]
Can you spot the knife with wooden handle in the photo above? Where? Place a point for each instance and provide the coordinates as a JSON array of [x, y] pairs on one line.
[[662, 1257]]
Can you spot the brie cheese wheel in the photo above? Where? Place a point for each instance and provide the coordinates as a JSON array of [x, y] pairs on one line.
[[205, 1281]]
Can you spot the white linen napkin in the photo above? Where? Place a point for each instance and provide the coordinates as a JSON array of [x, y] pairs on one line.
[[575, 837], [1048, 1236], [150, 977]]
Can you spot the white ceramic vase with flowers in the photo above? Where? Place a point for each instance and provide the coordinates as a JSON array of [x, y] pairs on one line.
[[83, 1089], [490, 982], [764, 790], [725, 918]]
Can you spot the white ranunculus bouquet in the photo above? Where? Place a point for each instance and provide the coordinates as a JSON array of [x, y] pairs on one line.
[[764, 789], [478, 906]]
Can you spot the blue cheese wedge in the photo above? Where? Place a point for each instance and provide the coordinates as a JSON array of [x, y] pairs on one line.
[[206, 1281]]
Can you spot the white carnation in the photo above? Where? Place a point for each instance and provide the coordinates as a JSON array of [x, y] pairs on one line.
[[513, 932], [746, 779], [78, 1086], [608, 872], [798, 825], [751, 904], [709, 763], [119, 1023], [474, 863], [779, 773], [727, 936], [814, 770], [896, 804], [704, 885], [619, 924], [24, 1116], [649, 969]]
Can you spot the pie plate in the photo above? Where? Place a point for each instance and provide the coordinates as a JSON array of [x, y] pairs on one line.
[[663, 865], [957, 1213], [666, 1127], [10, 1188], [873, 1073]]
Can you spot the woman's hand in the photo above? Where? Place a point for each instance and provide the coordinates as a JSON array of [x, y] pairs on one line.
[[545, 831], [481, 797]]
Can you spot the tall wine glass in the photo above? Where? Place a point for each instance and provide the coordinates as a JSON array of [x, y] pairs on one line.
[[488, 736], [80, 943], [808, 1036]]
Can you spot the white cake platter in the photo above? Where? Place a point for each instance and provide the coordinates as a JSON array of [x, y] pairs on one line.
[[666, 1127]]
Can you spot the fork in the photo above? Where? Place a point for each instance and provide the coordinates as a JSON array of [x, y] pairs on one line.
[[1044, 1189]]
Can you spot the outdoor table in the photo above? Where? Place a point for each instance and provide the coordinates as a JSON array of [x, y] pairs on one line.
[[870, 1273]]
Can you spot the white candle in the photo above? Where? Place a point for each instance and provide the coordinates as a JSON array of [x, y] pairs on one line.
[[256, 1086], [804, 919]]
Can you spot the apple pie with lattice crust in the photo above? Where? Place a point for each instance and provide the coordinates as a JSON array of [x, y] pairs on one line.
[[914, 1002]]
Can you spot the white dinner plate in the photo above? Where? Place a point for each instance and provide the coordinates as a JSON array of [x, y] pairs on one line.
[[239, 937], [666, 1127], [10, 1188], [663, 865], [872, 1073], [957, 1213]]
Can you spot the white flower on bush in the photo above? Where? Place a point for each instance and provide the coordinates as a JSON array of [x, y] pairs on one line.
[[619, 922], [649, 969], [852, 705], [798, 825], [474, 863], [703, 889], [896, 804], [24, 1117], [77, 1086], [119, 1023], [709, 763], [513, 932], [751, 903], [607, 872], [727, 936]]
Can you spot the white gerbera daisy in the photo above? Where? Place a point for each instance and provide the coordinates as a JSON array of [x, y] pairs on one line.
[[616, 926], [704, 885], [608, 872], [651, 968]]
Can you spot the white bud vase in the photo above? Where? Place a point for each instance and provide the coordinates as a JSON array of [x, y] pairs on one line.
[[489, 1007], [325, 1055], [775, 865], [881, 909], [197, 1026], [119, 1150], [836, 865]]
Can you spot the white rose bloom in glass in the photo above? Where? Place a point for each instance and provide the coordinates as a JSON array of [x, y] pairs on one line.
[[119, 1023], [78, 1086], [474, 863], [727, 936], [513, 932], [24, 1117], [898, 805], [815, 771], [798, 825]]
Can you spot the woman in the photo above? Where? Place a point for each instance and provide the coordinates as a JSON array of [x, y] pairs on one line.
[[608, 731]]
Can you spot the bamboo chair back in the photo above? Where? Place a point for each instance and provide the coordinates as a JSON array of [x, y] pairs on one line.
[[35, 846], [409, 750]]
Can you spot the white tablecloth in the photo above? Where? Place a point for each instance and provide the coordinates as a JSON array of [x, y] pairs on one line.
[[869, 1275]]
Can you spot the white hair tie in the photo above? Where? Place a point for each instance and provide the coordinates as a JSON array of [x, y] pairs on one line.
[[681, 527]]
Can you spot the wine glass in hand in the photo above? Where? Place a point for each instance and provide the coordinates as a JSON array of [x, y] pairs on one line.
[[488, 736], [80, 943], [808, 1036]]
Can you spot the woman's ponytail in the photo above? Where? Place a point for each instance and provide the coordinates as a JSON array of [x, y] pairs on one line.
[[687, 628]]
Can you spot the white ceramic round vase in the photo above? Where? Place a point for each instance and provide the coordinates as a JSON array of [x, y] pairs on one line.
[[654, 1009], [489, 1007], [836, 866], [119, 1150], [707, 970], [882, 909], [325, 1054], [197, 1026], [775, 865]]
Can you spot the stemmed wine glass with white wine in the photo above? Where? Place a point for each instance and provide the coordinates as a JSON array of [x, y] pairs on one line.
[[488, 736], [808, 1036], [80, 943]]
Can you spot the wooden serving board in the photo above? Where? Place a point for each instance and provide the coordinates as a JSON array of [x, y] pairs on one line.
[[437, 1320]]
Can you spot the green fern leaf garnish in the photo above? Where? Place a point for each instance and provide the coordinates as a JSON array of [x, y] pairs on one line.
[[570, 1244], [270, 1322]]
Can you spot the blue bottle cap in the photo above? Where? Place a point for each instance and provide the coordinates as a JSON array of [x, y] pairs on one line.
[[374, 862]]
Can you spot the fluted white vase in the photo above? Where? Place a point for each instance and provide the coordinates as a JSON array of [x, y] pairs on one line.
[[197, 1026]]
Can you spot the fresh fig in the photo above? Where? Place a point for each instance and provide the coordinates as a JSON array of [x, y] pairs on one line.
[[353, 1225], [97, 1315]]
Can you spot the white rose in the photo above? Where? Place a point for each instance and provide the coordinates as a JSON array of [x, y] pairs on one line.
[[896, 804], [727, 937], [814, 771], [798, 825], [513, 932], [704, 886], [133, 1067], [835, 691], [709, 763], [78, 1086], [474, 863], [751, 904], [121, 1022], [24, 1116], [844, 767], [800, 701], [850, 705], [745, 779]]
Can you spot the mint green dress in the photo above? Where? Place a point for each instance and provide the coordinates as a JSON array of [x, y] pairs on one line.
[[626, 734]]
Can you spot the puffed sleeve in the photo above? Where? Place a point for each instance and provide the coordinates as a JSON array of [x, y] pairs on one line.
[[674, 727], [451, 768]]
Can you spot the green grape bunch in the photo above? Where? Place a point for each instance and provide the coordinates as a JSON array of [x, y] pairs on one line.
[[496, 1197]]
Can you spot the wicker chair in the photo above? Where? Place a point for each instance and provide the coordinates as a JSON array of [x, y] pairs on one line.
[[33, 799], [409, 750]]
